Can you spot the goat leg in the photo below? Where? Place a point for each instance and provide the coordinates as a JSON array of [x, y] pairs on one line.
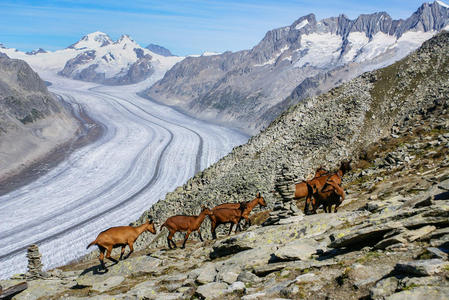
[[248, 221], [108, 255], [101, 257], [185, 239], [199, 234], [212, 229], [131, 249], [169, 239], [230, 228], [238, 227], [122, 252]]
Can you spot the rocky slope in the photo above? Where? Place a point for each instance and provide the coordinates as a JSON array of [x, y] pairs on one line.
[[32, 122], [240, 88], [321, 130], [389, 240]]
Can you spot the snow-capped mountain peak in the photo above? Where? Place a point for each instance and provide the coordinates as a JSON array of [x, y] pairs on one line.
[[92, 40]]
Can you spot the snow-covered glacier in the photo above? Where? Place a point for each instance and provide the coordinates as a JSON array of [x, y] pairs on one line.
[[146, 150]]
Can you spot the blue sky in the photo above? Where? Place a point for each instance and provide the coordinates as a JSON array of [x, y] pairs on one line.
[[184, 27]]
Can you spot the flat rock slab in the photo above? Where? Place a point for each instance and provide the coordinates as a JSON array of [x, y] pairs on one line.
[[107, 283], [422, 267], [144, 290], [384, 288], [206, 274], [363, 236], [297, 265], [363, 275], [41, 289], [300, 249], [308, 277], [423, 292], [136, 266], [213, 290]]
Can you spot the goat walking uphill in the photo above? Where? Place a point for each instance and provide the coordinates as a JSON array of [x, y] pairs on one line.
[[227, 215], [317, 184], [249, 206], [185, 224], [121, 236]]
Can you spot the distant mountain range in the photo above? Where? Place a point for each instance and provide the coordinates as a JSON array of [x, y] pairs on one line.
[[250, 88], [97, 58]]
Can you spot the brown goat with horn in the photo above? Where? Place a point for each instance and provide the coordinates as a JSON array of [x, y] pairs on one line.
[[119, 237], [249, 206], [226, 215], [185, 224]]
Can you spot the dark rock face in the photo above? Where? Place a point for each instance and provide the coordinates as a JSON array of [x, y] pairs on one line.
[[247, 88], [23, 95], [159, 50], [73, 63]]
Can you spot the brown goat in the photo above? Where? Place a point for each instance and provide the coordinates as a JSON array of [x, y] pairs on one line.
[[301, 187], [316, 185], [226, 215], [120, 236], [185, 224], [328, 197], [249, 206]]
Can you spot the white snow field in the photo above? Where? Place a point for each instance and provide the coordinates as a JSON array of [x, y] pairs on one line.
[[146, 150]]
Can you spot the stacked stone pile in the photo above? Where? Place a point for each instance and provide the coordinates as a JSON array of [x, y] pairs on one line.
[[34, 262], [284, 206]]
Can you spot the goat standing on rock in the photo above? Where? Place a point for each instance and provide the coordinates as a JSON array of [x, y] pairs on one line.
[[185, 223], [121, 236]]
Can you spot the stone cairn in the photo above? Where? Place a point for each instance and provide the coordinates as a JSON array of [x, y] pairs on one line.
[[34, 262], [284, 206]]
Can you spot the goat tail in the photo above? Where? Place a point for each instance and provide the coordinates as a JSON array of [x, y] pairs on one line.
[[91, 244]]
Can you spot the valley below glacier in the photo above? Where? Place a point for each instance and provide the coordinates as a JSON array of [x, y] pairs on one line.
[[145, 150]]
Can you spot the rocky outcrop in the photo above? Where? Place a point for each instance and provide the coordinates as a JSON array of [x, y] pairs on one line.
[[247, 89]]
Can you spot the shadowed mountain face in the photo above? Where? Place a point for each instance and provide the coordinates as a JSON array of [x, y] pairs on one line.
[[32, 122], [247, 88], [159, 50], [23, 95]]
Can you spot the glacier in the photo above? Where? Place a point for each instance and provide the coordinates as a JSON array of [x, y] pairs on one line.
[[146, 150]]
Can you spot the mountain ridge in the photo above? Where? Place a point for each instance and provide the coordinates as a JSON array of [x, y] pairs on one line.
[[237, 88]]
